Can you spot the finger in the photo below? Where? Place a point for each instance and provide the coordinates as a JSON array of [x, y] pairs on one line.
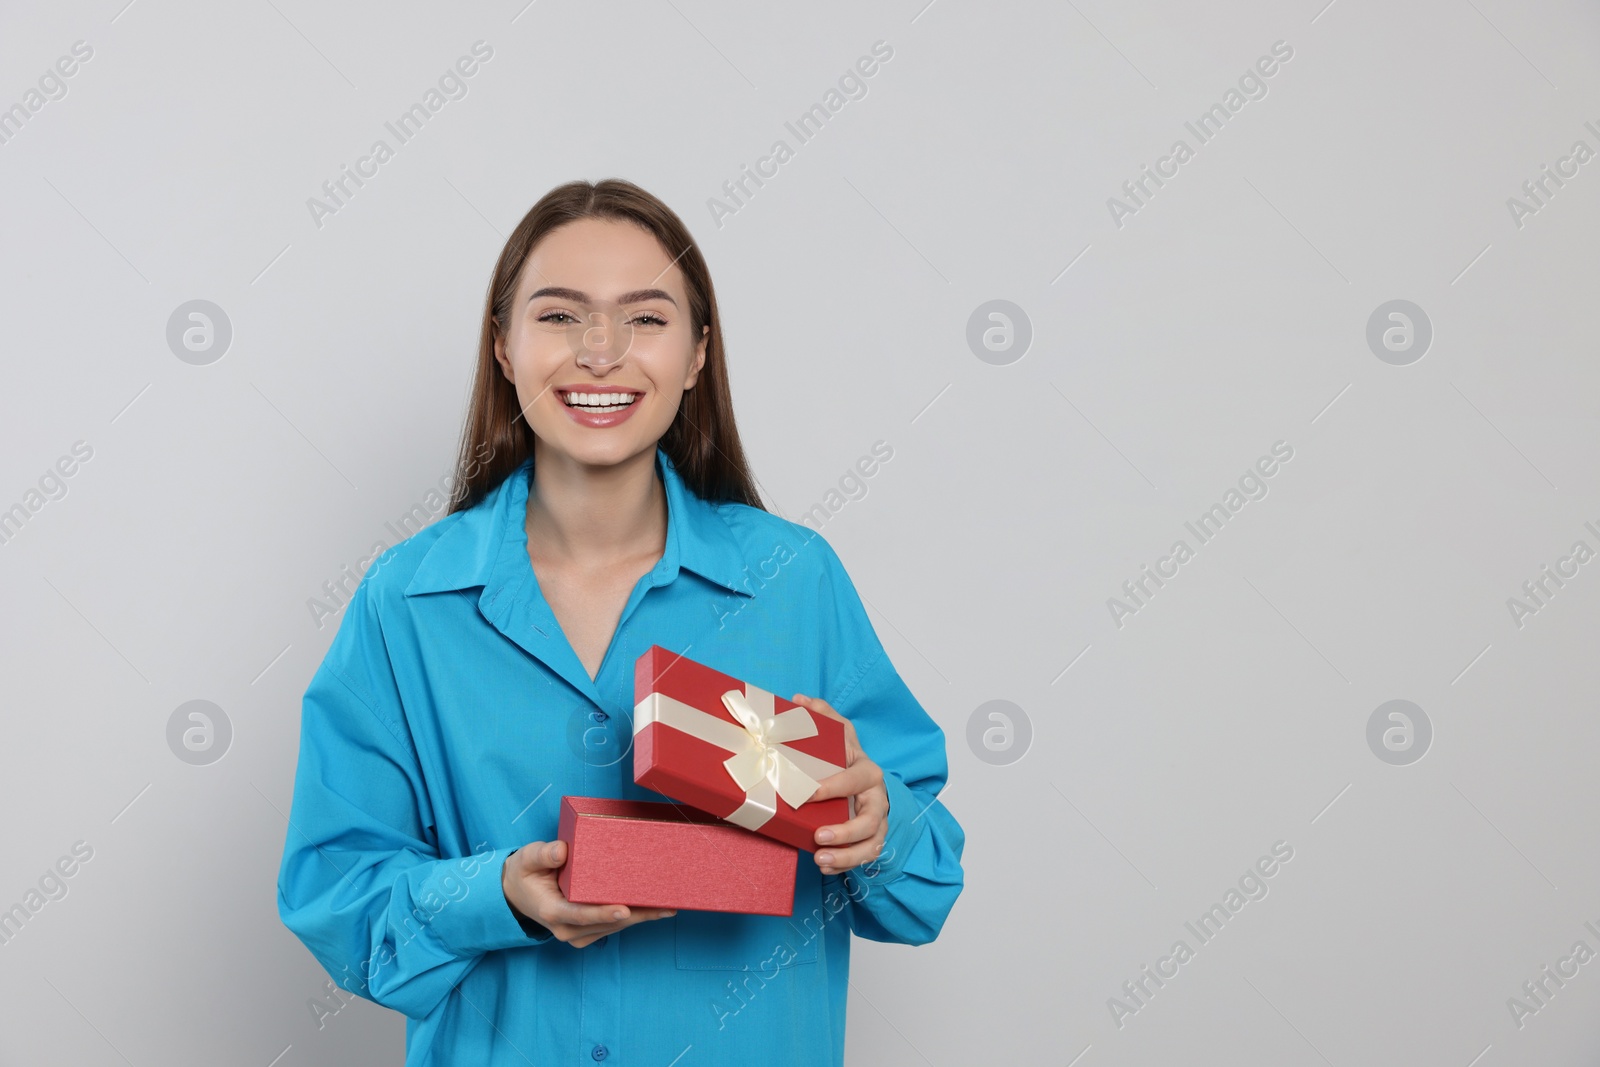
[[588, 914], [860, 777], [543, 855], [852, 744], [871, 807], [822, 707], [583, 936], [834, 860], [817, 704], [641, 915], [579, 935], [620, 915]]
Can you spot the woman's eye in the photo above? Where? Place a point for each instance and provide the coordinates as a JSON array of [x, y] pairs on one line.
[[651, 319], [552, 316]]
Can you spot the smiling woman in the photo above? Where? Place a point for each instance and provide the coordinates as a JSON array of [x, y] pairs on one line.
[[620, 308], [477, 659]]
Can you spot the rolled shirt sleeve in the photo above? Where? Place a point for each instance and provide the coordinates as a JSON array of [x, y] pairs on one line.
[[905, 895], [362, 883]]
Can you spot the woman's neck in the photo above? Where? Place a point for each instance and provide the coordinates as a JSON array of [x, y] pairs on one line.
[[591, 517]]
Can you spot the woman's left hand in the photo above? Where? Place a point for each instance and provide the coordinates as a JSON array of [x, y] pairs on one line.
[[860, 839]]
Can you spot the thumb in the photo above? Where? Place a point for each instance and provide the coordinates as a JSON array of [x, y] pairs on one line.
[[544, 855]]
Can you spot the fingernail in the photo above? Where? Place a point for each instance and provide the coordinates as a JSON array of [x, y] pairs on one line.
[[824, 858], [824, 836], [668, 914], [617, 915]]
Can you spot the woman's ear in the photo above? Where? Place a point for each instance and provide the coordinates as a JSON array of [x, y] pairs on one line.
[[699, 358], [500, 356]]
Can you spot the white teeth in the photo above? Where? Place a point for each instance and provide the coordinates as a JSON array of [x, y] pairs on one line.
[[601, 401]]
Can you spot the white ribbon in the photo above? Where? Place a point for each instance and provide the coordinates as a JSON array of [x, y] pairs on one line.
[[760, 764]]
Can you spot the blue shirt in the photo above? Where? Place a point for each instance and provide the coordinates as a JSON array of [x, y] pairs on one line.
[[449, 717]]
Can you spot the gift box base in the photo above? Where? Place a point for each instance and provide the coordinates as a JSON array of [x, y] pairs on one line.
[[650, 855]]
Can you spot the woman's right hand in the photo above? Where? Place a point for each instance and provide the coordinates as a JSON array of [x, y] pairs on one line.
[[529, 882]]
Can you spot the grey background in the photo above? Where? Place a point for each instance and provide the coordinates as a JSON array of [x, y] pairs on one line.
[[1229, 313]]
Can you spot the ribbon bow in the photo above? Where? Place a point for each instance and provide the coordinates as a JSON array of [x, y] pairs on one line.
[[759, 761], [763, 756]]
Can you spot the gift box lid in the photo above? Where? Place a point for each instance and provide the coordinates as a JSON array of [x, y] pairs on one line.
[[684, 733]]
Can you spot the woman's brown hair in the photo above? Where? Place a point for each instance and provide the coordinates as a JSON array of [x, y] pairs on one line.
[[702, 442]]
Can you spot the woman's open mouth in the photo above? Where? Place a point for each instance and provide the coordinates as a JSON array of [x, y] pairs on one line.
[[598, 402], [599, 408]]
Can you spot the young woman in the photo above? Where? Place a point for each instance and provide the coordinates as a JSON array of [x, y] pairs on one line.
[[484, 669]]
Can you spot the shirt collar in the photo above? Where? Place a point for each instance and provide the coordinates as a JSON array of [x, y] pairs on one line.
[[492, 533]]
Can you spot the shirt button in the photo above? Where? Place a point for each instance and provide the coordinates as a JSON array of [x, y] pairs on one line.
[[599, 716], [599, 1052]]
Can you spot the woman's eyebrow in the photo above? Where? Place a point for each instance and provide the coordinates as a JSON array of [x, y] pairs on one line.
[[638, 296]]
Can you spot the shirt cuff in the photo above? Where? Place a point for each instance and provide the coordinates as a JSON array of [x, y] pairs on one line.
[[478, 918], [905, 826]]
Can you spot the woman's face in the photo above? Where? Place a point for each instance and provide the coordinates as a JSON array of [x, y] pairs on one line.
[[601, 314]]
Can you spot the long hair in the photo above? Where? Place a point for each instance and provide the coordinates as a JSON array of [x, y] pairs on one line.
[[702, 442]]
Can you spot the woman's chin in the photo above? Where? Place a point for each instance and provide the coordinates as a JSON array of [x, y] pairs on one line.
[[598, 448]]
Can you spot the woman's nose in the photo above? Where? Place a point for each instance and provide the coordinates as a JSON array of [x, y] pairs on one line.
[[603, 338]]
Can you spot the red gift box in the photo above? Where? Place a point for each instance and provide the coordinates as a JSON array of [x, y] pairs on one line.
[[734, 750], [650, 855]]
